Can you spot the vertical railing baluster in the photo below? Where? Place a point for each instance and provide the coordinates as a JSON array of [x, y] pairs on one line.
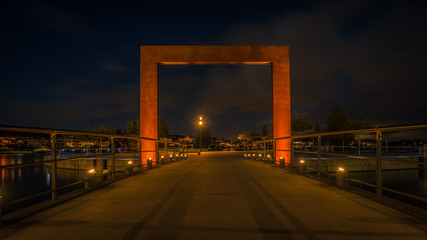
[[87, 148], [379, 179], [1, 207], [265, 151], [113, 158], [319, 154], [166, 149], [292, 150], [54, 181], [274, 153], [99, 159], [139, 152]]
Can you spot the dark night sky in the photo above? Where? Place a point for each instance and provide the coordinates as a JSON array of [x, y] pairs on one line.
[[74, 66]]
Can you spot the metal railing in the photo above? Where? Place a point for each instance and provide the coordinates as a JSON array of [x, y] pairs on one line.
[[41, 164], [389, 161]]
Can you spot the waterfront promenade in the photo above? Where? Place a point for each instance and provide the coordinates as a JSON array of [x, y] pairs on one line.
[[218, 196]]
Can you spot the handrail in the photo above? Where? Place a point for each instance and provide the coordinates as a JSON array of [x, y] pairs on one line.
[[369, 130], [54, 158], [72, 132], [376, 165]]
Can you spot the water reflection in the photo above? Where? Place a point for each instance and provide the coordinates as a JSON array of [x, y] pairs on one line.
[[20, 182], [408, 176]]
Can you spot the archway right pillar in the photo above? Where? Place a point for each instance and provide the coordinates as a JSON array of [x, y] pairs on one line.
[[282, 107]]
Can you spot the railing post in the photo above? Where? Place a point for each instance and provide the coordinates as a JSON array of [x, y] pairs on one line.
[[87, 148], [157, 153], [265, 152], [139, 151], [292, 150], [379, 179], [1, 206], [113, 164], [54, 182], [343, 149], [319, 154], [274, 152], [99, 159]]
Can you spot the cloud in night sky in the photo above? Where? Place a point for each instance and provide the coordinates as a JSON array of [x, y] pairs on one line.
[[241, 89], [77, 100], [222, 89], [57, 19], [113, 67], [367, 56], [82, 66]]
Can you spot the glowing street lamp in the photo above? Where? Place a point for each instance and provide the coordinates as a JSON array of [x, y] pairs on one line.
[[200, 134]]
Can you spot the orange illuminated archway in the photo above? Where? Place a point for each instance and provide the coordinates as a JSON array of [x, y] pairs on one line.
[[277, 56]]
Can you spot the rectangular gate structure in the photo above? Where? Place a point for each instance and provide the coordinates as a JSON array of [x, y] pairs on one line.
[[276, 56]]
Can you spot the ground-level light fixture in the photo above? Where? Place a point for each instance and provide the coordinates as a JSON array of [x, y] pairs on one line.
[[130, 162], [301, 161], [341, 169], [92, 171]]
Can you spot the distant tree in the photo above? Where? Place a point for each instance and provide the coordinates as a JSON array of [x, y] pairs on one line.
[[264, 131], [104, 130], [185, 140], [338, 120], [365, 123], [317, 128], [241, 137], [100, 129], [301, 122], [248, 136], [252, 135], [163, 128], [132, 128]]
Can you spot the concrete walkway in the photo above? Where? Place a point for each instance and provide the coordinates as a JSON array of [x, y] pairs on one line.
[[218, 196]]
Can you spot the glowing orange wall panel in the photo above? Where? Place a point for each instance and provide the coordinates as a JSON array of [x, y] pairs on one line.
[[152, 56]]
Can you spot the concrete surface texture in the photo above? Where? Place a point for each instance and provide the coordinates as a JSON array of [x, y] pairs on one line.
[[277, 56], [218, 196]]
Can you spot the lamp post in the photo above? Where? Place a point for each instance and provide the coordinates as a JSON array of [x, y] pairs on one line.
[[200, 134]]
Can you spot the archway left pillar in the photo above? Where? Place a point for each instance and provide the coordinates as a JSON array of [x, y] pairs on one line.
[[149, 108]]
